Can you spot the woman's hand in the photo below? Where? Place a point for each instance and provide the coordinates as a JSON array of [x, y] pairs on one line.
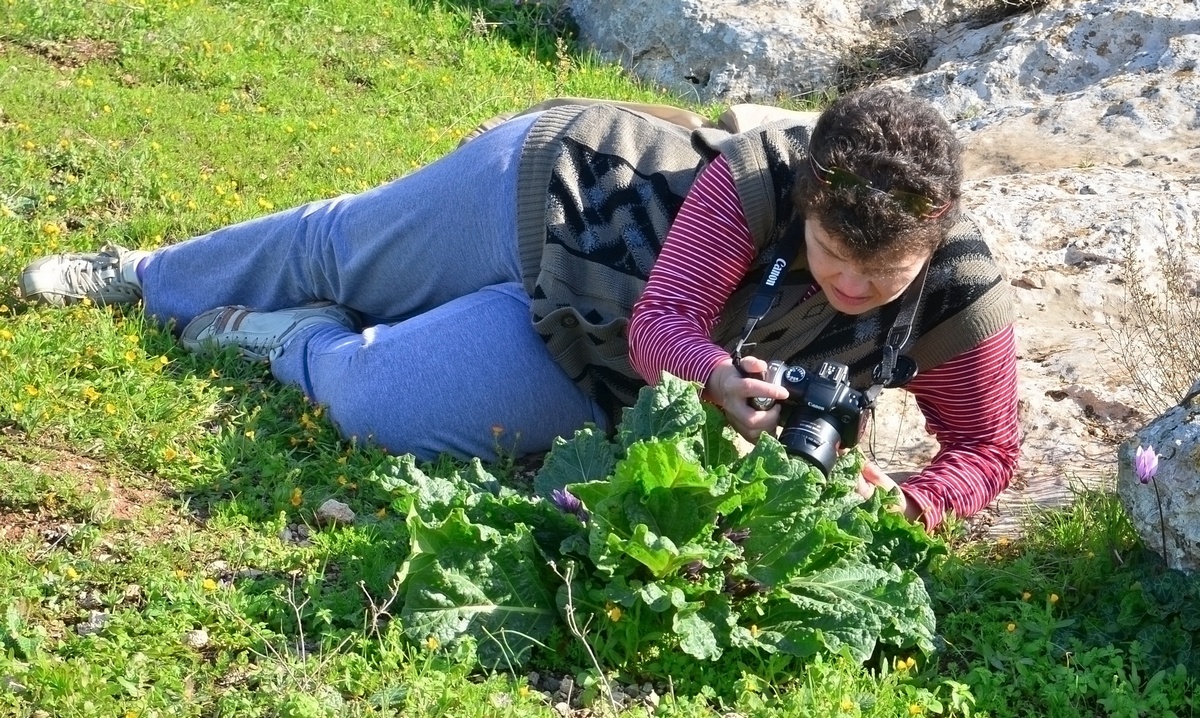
[[873, 477], [731, 391]]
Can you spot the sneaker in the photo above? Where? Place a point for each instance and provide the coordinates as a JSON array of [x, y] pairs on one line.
[[105, 277], [260, 336]]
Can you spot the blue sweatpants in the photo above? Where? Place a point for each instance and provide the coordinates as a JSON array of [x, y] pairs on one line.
[[449, 357]]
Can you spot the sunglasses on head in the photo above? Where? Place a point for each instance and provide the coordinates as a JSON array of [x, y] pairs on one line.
[[918, 205]]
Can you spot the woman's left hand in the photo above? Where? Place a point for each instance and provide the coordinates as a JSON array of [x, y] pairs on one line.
[[873, 478]]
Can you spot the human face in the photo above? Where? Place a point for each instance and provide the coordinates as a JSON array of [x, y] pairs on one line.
[[852, 289]]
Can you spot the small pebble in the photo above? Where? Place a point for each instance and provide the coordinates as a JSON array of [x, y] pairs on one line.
[[94, 624], [566, 686], [196, 639], [334, 513]]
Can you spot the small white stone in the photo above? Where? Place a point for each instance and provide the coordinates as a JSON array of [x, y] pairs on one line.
[[196, 639], [562, 709]]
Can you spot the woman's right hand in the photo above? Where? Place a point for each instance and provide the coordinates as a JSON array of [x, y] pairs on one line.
[[731, 390]]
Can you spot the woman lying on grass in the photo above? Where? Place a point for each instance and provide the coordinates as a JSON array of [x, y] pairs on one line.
[[536, 277]]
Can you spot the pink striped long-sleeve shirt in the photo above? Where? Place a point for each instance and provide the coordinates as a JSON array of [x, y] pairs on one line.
[[969, 402]]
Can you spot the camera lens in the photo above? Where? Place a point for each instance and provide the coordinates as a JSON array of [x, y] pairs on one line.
[[813, 438]]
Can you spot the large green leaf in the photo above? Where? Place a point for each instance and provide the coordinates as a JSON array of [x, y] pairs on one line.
[[667, 410], [674, 494], [465, 579], [658, 554], [848, 607], [718, 439], [587, 456], [696, 635]]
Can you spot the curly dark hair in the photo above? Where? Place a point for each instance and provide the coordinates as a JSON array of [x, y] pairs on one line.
[[893, 141]]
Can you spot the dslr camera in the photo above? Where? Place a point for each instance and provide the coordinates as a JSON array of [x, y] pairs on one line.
[[826, 412]]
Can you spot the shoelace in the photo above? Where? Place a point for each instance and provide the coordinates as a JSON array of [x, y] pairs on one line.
[[91, 277]]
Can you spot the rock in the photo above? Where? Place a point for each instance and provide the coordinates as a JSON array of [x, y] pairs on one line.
[[566, 687], [196, 639], [132, 593], [562, 709], [12, 685], [334, 513], [89, 600], [726, 49], [95, 623], [1164, 510]]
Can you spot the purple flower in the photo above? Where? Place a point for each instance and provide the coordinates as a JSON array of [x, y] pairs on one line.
[[1145, 464], [566, 502]]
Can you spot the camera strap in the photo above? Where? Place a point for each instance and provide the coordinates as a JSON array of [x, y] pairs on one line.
[[893, 370], [768, 289], [885, 372]]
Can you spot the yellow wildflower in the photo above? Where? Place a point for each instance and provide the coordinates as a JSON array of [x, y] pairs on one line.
[[910, 662], [90, 393], [753, 631], [613, 611], [1012, 627], [131, 355], [170, 454], [51, 229], [180, 573], [432, 643], [915, 710], [210, 585], [250, 434], [31, 390], [1026, 596], [163, 360], [381, 513], [847, 704], [72, 574], [6, 335], [297, 496], [110, 409], [1054, 598]]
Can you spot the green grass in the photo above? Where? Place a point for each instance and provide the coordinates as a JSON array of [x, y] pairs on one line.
[[163, 492]]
